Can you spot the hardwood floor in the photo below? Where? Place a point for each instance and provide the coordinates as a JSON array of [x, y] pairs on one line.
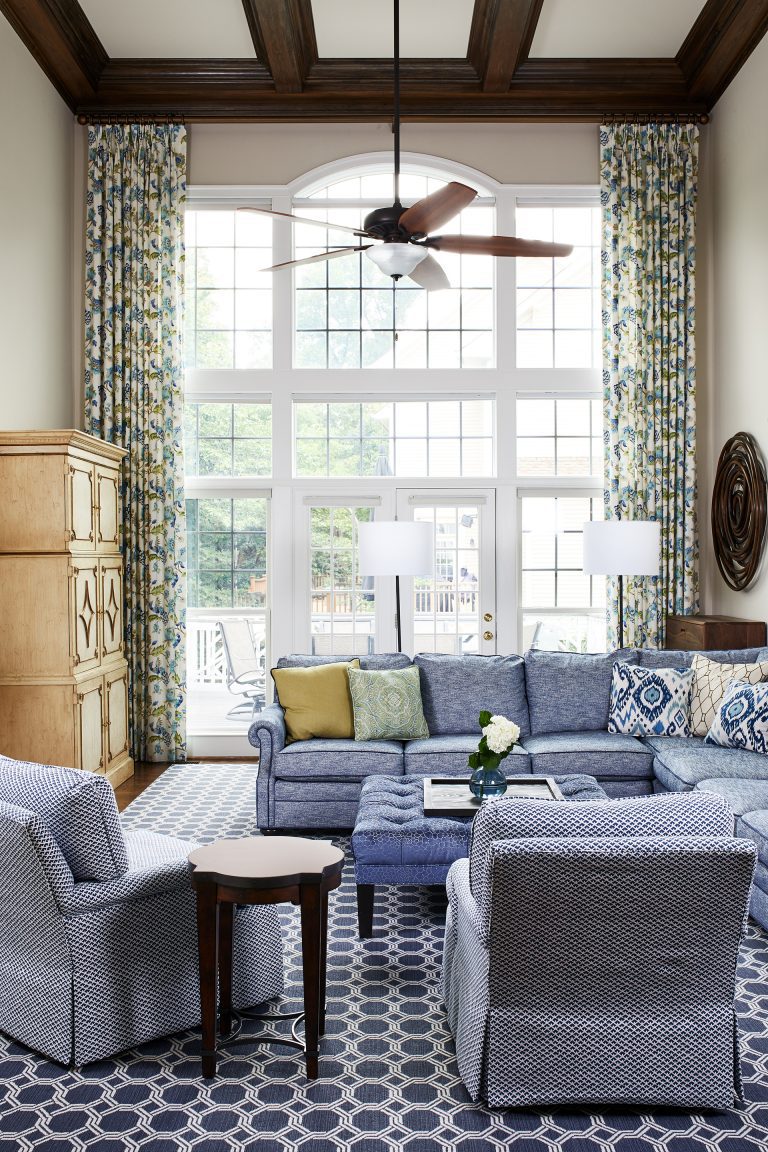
[[143, 776]]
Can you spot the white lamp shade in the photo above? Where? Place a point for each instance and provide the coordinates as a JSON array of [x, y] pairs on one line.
[[622, 547], [396, 548], [396, 259]]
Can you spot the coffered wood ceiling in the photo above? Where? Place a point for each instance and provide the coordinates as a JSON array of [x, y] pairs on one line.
[[259, 59]]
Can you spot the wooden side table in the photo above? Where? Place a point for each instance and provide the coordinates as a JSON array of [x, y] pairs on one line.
[[262, 870], [699, 633]]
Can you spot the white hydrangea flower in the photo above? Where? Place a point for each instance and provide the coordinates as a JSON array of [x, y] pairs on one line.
[[501, 734]]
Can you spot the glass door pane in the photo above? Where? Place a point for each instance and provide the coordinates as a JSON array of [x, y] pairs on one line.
[[227, 613], [343, 607], [453, 610]]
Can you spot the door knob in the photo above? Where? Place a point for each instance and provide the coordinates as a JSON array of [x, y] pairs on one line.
[[487, 635], [488, 617]]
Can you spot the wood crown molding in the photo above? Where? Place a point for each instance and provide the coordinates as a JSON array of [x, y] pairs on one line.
[[288, 82]]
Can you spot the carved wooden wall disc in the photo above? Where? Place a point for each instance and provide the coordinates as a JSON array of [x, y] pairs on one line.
[[739, 505]]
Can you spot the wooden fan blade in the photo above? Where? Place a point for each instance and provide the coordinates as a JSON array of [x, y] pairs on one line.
[[332, 255], [437, 209], [302, 220], [497, 246], [430, 275]]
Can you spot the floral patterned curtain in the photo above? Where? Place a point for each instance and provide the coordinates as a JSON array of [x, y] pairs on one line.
[[134, 266], [648, 188]]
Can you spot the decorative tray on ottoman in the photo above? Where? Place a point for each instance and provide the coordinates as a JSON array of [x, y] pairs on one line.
[[452, 797]]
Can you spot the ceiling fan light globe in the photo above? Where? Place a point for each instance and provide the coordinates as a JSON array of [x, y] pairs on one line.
[[396, 259]]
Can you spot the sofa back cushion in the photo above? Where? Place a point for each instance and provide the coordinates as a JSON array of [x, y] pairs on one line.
[[570, 691], [678, 658], [456, 689], [79, 810], [378, 662]]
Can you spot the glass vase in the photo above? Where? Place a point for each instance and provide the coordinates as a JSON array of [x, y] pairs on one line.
[[487, 783]]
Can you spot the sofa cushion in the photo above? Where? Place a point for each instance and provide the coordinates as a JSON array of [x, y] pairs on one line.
[[650, 701], [79, 809], [679, 658], [569, 691], [447, 756], [456, 689], [329, 760], [710, 683], [601, 754], [754, 825], [742, 795], [680, 764], [316, 701], [387, 704], [741, 721], [378, 660]]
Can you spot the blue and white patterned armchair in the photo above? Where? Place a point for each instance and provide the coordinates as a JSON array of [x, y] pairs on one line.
[[591, 950], [98, 947]]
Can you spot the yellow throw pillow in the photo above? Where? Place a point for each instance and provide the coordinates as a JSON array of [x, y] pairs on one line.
[[317, 701]]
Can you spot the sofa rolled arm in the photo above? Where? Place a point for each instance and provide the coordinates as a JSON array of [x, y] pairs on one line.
[[267, 733]]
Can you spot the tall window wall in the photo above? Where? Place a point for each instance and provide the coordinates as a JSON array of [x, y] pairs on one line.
[[325, 397]]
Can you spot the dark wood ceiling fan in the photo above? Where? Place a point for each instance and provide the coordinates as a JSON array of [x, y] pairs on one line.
[[406, 235]]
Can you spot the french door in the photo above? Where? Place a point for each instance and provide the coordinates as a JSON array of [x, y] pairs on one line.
[[453, 609]]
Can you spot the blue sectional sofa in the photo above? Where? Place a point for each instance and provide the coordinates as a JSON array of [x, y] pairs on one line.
[[560, 701]]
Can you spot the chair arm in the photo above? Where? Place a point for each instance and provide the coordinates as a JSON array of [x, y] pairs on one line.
[[462, 902], [267, 733], [143, 884]]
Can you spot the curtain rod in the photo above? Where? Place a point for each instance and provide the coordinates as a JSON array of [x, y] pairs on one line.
[[126, 118], [656, 118]]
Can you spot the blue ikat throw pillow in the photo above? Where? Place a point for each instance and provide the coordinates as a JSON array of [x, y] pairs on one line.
[[650, 701], [741, 721]]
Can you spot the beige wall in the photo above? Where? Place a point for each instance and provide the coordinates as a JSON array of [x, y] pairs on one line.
[[733, 323], [279, 153], [36, 218]]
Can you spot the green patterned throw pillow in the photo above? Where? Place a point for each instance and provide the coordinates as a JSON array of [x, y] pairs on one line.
[[387, 705]]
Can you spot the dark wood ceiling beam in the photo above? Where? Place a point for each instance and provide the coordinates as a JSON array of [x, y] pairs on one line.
[[500, 38], [62, 41], [283, 34], [724, 35], [354, 91]]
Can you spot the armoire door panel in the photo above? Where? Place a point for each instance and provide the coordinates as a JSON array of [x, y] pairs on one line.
[[89, 725], [111, 606], [80, 506], [116, 716], [85, 625], [107, 504]]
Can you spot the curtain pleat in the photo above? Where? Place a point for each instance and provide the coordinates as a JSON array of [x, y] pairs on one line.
[[134, 313], [648, 192]]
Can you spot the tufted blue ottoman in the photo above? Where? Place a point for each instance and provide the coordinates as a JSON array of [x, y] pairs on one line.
[[395, 843]]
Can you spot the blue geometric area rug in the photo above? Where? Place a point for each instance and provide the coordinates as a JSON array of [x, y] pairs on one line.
[[388, 1073]]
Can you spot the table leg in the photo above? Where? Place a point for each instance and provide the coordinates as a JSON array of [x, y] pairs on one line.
[[365, 910], [225, 967], [206, 951], [311, 904], [323, 958]]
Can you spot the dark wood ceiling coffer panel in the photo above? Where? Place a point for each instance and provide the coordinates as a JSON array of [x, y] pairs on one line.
[[283, 34], [58, 35], [500, 39], [723, 37]]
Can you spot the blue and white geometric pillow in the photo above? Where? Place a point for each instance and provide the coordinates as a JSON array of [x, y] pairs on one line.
[[650, 701], [742, 718]]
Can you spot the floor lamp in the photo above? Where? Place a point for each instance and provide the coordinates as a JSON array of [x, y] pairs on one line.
[[396, 548], [622, 548]]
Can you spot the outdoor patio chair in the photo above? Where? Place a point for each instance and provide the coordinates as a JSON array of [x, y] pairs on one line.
[[591, 950], [246, 673]]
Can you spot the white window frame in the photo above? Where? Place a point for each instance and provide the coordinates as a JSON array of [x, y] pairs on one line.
[[282, 384]]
